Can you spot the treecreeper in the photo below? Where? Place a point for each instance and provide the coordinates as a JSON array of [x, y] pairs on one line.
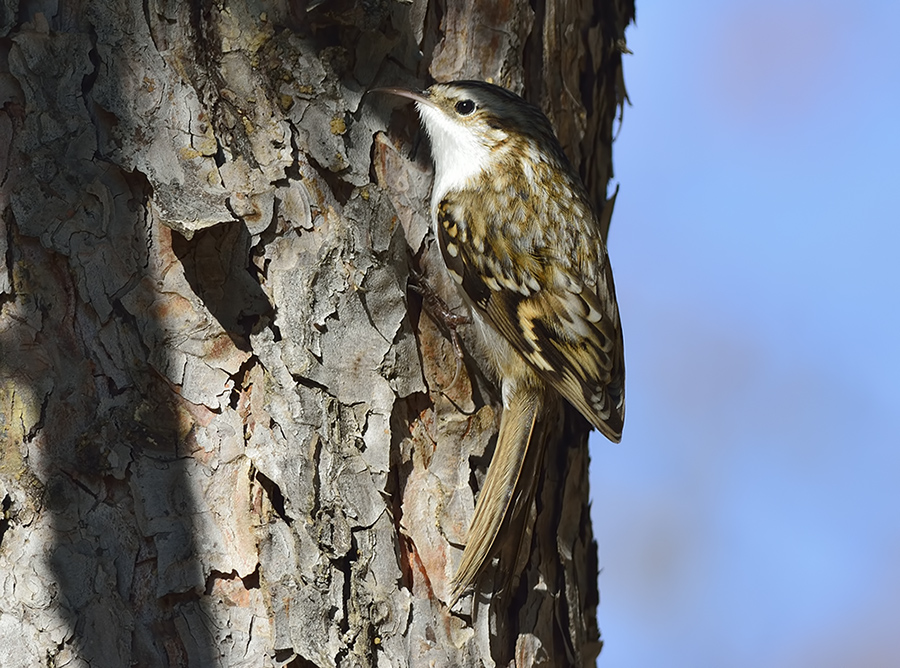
[[520, 239]]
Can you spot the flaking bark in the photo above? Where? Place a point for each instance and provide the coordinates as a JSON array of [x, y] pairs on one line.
[[226, 432]]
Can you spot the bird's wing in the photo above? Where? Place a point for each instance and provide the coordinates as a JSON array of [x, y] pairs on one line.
[[567, 330]]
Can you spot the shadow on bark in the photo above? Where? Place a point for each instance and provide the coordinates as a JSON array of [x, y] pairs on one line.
[[106, 455], [95, 463], [216, 262]]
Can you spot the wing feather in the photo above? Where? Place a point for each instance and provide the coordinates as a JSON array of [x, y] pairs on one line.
[[565, 324]]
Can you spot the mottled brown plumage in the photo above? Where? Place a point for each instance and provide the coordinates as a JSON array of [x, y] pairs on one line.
[[519, 236]]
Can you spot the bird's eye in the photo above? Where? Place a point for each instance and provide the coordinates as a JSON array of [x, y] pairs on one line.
[[465, 107]]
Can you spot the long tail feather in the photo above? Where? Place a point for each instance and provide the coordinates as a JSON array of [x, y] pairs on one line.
[[504, 488]]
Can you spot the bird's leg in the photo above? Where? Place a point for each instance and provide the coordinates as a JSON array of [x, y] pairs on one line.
[[441, 313]]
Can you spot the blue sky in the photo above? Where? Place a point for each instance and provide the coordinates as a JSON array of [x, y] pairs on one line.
[[751, 515]]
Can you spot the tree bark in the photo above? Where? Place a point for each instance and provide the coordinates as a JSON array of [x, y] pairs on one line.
[[227, 432]]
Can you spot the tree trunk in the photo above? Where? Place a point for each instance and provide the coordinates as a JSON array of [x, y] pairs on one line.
[[226, 432]]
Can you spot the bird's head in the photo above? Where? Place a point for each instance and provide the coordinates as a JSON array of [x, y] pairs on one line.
[[472, 126]]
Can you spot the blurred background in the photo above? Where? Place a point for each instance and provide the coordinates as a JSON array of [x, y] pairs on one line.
[[751, 515]]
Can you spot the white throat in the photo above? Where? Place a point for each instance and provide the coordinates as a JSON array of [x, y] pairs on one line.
[[457, 153]]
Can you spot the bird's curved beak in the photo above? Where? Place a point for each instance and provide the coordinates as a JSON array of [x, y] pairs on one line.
[[416, 96]]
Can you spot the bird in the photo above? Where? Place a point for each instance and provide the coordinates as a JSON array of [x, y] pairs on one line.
[[522, 242]]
